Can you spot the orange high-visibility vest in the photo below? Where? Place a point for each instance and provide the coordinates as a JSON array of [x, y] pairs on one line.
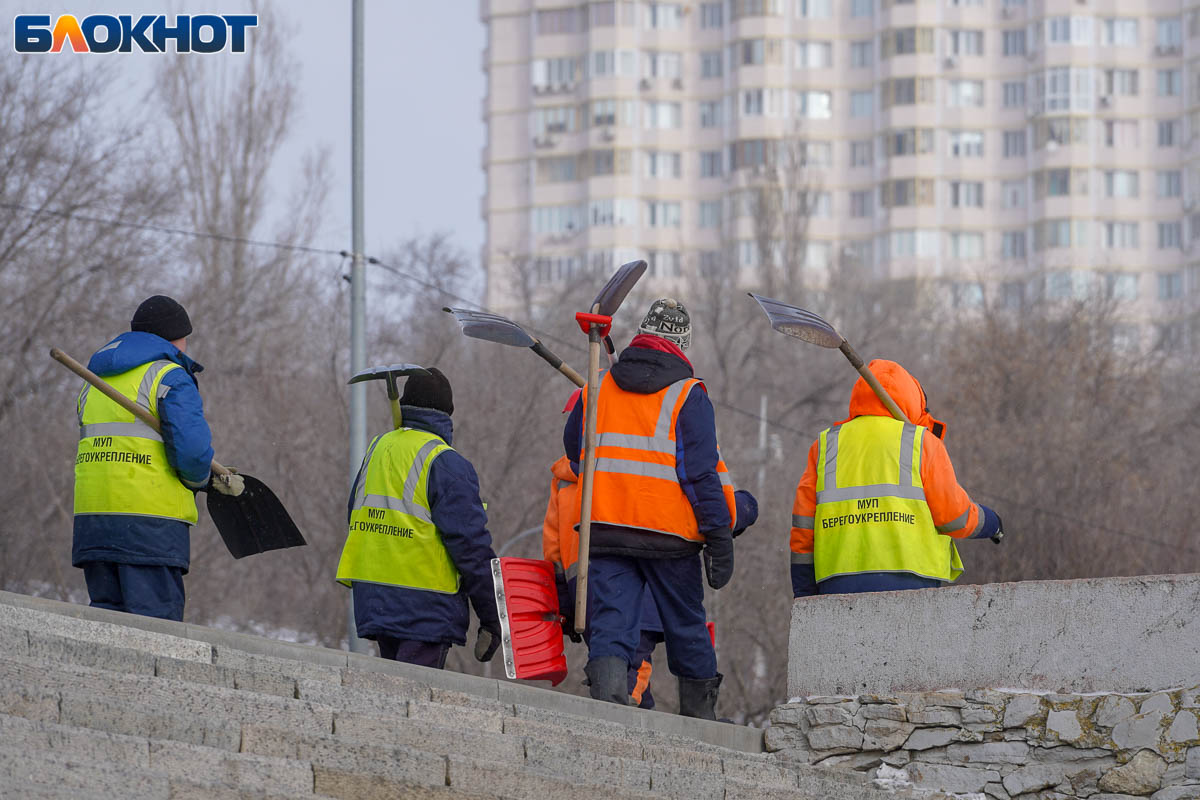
[[636, 485]]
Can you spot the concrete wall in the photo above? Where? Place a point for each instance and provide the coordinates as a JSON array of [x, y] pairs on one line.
[[1099, 634]]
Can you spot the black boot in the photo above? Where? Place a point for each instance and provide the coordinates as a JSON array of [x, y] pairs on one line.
[[698, 697], [609, 679]]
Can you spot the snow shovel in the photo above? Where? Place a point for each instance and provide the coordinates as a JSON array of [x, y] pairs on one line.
[[531, 636], [596, 324], [807, 326], [253, 522], [501, 330], [390, 374]]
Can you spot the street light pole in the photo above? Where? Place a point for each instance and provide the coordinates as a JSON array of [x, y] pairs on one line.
[[358, 281]]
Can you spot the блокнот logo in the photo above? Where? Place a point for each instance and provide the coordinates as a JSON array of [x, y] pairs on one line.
[[121, 33]]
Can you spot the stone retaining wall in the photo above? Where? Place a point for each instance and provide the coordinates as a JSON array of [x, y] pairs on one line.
[[1003, 743]]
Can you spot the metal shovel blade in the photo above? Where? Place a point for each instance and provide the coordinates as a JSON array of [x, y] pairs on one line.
[[395, 370], [491, 327], [613, 293], [794, 321], [254, 521]]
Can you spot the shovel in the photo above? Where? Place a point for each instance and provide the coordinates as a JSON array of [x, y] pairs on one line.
[[253, 522], [596, 324], [501, 330]]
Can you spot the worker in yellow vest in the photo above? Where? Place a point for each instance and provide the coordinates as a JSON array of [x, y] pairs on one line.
[[418, 545], [134, 488], [879, 507]]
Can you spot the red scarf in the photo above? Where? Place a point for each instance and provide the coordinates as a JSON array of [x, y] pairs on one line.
[[651, 342]]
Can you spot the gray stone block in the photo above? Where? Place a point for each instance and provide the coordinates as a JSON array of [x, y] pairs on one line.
[[1192, 764], [456, 717], [764, 772], [318, 669], [1064, 724], [193, 672], [421, 735], [679, 782], [363, 701], [80, 743], [1184, 729], [1113, 709], [1177, 793], [684, 757], [64, 772], [244, 771], [53, 649], [739, 789], [1034, 777], [1021, 709], [503, 780], [989, 753], [450, 697], [386, 683], [347, 776], [14, 641], [623, 747], [585, 767], [926, 738], [33, 704], [124, 634], [1141, 775], [959, 780], [153, 723], [1140, 730]]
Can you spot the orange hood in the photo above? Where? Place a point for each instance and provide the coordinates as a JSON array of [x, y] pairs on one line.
[[561, 470], [903, 388]]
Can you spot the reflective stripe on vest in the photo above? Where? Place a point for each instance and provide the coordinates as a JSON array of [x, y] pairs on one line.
[[121, 464], [392, 539], [636, 483], [871, 513]]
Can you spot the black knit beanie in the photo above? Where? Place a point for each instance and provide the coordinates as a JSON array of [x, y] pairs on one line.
[[163, 317], [429, 391]]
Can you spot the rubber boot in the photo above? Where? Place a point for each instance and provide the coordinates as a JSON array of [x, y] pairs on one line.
[[698, 697], [609, 679]]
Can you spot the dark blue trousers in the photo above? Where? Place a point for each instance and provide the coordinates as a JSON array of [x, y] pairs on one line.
[[411, 651], [616, 584], [152, 591]]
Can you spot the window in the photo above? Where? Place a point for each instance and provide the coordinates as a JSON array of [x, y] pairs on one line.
[[861, 53], [814, 105], [905, 41], [1064, 89], [1121, 235], [602, 15], [557, 220], [662, 115], [1170, 33], [749, 52], [710, 213], [966, 42], [966, 194], [966, 245], [813, 55], [1014, 42], [1119, 31], [1170, 183], [1012, 194], [965, 94], [712, 64], [553, 72], [1056, 233], [861, 153], [657, 64], [755, 8], [664, 16], [1066, 285], [1014, 143], [558, 20], [1121, 183], [862, 104], [1069, 30], [661, 164], [712, 15], [909, 243], [750, 153], [1170, 83], [966, 144], [751, 102], [610, 211], [556, 170], [1014, 94], [1169, 132], [906, 192], [1121, 133], [711, 164], [710, 114], [1121, 82], [664, 263], [907, 142], [1012, 244], [814, 9], [553, 119], [862, 8], [1170, 234], [1170, 285], [1121, 285], [862, 204], [1058, 182], [905, 92], [661, 214]]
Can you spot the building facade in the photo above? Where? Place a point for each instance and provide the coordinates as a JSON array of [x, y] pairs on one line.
[[999, 150]]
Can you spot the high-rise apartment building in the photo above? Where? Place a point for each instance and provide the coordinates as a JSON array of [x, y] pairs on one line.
[[999, 149]]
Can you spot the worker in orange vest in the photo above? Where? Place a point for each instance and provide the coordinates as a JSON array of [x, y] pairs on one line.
[[662, 496]]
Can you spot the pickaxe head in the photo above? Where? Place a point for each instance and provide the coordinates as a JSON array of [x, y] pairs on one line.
[[389, 374]]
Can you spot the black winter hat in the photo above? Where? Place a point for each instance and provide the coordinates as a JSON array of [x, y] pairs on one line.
[[163, 317], [429, 391]]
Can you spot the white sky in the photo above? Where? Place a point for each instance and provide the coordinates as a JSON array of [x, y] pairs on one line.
[[423, 91]]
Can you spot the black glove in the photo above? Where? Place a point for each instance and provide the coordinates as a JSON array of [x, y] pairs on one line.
[[747, 511], [998, 536], [487, 639], [718, 556], [566, 609]]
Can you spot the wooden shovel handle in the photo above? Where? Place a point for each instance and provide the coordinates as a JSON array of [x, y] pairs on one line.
[[872, 381], [139, 411]]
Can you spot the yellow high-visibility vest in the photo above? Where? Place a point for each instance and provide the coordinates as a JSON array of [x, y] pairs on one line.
[[872, 515], [121, 464], [392, 538]]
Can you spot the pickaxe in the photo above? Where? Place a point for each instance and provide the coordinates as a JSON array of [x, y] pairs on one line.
[[390, 374]]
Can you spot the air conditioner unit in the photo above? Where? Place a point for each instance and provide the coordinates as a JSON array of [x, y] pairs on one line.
[[608, 135], [677, 83], [1006, 13], [556, 127], [1105, 101], [644, 84], [539, 89], [950, 62]]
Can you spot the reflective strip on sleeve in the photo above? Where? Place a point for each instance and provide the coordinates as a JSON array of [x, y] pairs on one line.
[[726, 478], [135, 430], [804, 523], [624, 466], [870, 492], [802, 558], [955, 523], [573, 571]]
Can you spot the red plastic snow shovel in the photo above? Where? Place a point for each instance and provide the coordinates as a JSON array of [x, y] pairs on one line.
[[531, 632]]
